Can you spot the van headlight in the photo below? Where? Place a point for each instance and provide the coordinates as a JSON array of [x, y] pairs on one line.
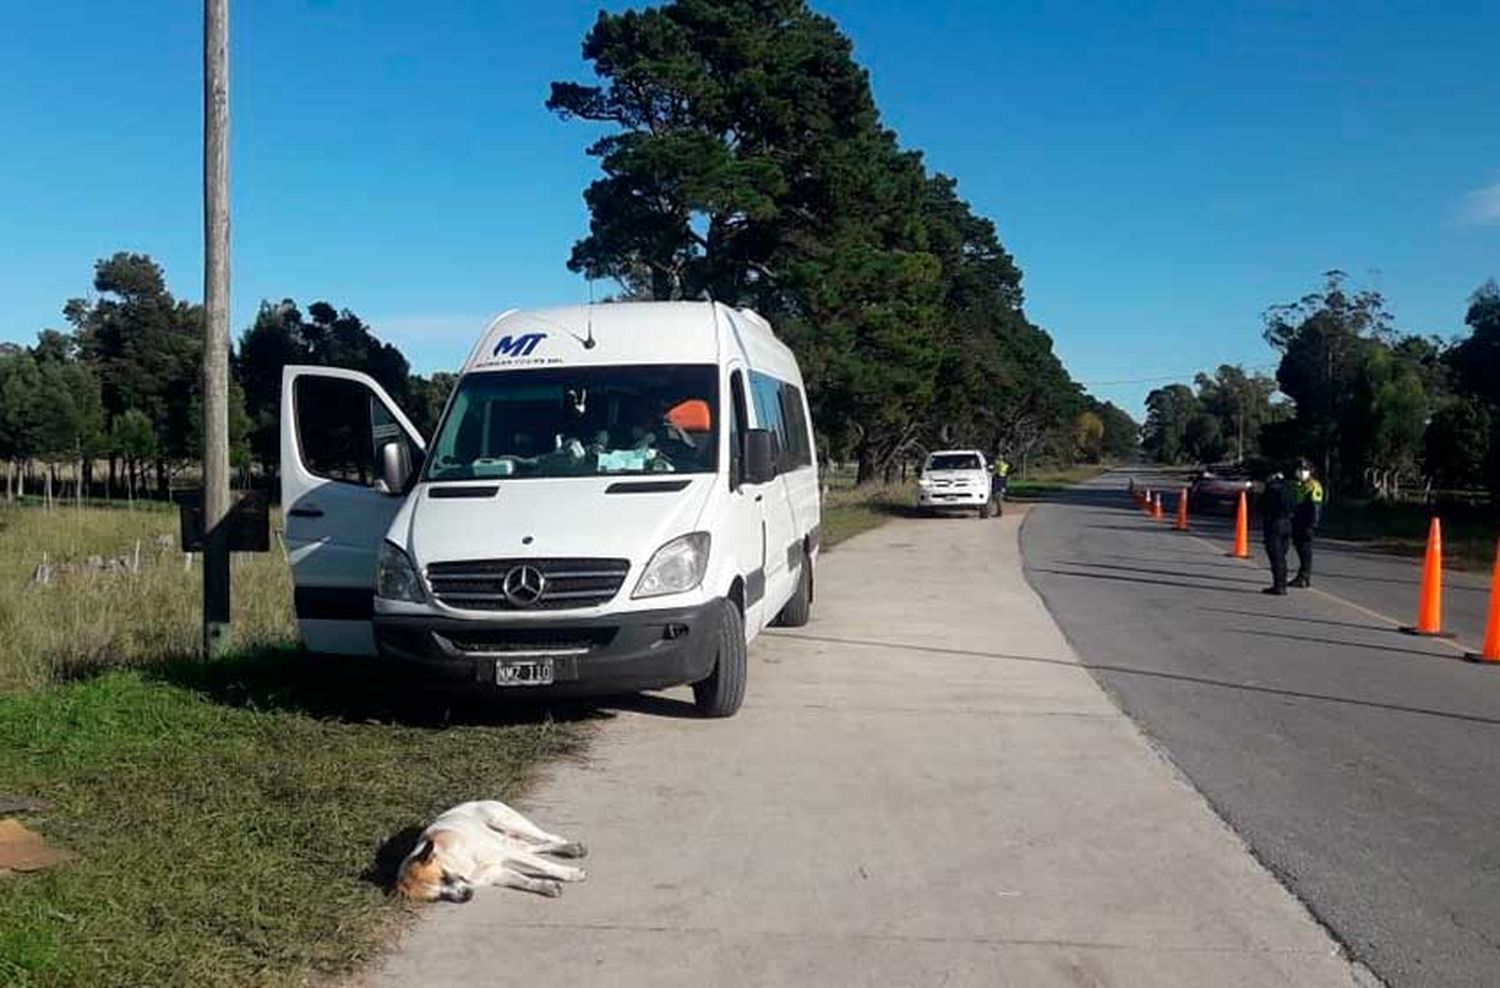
[[677, 567], [395, 576]]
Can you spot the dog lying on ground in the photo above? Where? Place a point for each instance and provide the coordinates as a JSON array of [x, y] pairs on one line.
[[485, 843]]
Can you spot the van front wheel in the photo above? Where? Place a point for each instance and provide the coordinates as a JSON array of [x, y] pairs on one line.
[[722, 692], [797, 610]]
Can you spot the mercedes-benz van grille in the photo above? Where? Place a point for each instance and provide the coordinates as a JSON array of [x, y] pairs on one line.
[[511, 584]]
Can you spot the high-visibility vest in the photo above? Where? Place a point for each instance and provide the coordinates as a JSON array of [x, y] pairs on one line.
[[1001, 468], [1310, 490]]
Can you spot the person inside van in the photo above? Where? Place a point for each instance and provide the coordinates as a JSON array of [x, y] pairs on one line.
[[675, 431]]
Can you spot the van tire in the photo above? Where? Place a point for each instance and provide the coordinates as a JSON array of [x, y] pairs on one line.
[[797, 610], [722, 692], [987, 509]]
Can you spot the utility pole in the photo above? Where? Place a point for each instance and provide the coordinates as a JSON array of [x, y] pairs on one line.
[[216, 638]]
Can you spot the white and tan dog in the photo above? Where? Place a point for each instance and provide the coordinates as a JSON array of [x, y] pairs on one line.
[[485, 843]]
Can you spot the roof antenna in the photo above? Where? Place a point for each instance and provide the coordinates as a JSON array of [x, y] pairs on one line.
[[588, 341]]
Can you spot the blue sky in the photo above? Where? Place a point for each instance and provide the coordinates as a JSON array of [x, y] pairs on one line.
[[1161, 172]]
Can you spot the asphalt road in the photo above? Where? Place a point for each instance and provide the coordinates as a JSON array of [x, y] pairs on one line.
[[1360, 764]]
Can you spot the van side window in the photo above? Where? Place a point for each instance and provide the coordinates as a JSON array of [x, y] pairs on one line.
[[765, 390], [737, 415], [341, 426], [799, 444], [778, 407]]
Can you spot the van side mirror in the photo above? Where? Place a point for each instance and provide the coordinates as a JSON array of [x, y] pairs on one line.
[[395, 467], [762, 454]]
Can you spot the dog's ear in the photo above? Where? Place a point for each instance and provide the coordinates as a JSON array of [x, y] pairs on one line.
[[423, 852]]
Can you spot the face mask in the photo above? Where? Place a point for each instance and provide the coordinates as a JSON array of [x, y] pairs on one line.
[[1303, 474]]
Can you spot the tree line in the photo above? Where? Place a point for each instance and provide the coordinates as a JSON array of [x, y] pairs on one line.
[[116, 400], [744, 160], [1376, 409]]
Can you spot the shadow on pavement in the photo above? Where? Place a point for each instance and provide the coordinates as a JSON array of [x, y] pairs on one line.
[[1305, 620], [1156, 674], [1142, 580], [1086, 495], [1190, 557], [1157, 572], [1146, 525], [1308, 639]]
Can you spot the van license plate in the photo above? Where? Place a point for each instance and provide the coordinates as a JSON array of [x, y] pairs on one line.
[[523, 672]]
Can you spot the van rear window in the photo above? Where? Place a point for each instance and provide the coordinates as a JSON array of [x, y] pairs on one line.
[[585, 421]]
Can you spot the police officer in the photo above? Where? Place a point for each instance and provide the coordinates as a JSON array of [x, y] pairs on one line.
[[1277, 504], [1001, 482], [1305, 519]]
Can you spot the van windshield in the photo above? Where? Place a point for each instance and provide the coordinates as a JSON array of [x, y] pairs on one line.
[[580, 422], [954, 461]]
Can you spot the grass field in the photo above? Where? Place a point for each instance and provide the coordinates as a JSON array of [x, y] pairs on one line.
[[1047, 481], [91, 616], [229, 816], [849, 510], [1469, 531]]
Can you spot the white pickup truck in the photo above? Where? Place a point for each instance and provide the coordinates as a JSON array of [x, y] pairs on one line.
[[956, 478]]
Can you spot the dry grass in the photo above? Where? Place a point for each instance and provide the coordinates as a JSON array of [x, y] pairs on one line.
[[1047, 481], [236, 821], [85, 618], [1469, 531], [849, 510]]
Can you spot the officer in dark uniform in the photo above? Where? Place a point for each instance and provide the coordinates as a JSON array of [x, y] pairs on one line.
[[1305, 520], [1277, 504]]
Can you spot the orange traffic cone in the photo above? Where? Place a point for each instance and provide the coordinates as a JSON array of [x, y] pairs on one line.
[[1156, 507], [1182, 498], [1430, 606], [1490, 651], [1242, 529], [1146, 504]]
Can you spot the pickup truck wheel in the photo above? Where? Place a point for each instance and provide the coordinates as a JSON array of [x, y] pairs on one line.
[[987, 509], [722, 692], [799, 608]]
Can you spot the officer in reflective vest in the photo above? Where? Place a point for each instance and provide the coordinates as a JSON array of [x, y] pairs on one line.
[[1002, 478], [1305, 519]]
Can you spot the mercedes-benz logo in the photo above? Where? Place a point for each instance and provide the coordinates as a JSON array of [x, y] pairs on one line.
[[523, 585]]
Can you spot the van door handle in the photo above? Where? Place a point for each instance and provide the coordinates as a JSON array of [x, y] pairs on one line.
[[759, 498], [308, 512]]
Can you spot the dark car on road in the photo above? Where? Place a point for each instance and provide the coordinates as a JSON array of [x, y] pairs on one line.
[[1217, 493]]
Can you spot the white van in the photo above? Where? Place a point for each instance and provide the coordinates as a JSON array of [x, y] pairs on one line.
[[618, 498]]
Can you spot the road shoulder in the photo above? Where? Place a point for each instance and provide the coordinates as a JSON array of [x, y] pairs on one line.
[[923, 787]]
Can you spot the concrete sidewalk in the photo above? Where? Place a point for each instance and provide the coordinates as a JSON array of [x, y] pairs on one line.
[[922, 788]]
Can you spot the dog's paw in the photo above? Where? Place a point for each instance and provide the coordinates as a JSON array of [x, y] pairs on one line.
[[572, 850], [578, 875], [548, 888]]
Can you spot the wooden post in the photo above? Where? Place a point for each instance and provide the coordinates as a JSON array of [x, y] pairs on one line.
[[216, 639]]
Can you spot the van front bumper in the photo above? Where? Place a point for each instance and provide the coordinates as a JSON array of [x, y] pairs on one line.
[[619, 653]]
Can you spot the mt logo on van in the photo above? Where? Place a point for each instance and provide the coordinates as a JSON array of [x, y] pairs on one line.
[[518, 346]]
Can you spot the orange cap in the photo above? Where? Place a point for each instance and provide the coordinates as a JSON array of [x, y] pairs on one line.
[[691, 415]]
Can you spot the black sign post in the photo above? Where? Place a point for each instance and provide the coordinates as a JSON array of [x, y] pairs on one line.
[[247, 527]]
